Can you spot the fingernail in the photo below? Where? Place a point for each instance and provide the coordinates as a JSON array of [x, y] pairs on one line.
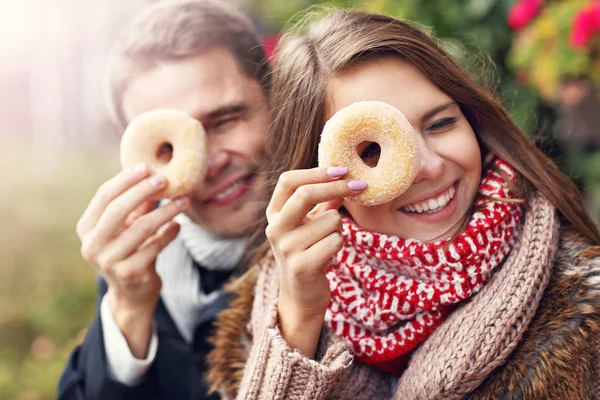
[[357, 185], [182, 202], [335, 172], [140, 169], [158, 180]]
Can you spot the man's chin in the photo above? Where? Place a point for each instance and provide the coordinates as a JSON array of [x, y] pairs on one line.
[[229, 232], [228, 226], [227, 222]]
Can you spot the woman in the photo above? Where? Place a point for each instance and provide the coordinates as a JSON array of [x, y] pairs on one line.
[[480, 281]]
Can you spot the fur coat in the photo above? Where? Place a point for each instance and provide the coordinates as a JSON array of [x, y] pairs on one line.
[[558, 357]]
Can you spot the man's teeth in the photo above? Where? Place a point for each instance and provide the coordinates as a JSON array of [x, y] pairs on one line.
[[230, 190], [432, 205]]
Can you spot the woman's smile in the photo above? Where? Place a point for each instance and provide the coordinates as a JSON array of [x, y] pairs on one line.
[[433, 208]]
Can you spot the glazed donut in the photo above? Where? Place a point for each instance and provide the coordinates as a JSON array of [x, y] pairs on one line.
[[372, 121], [148, 134]]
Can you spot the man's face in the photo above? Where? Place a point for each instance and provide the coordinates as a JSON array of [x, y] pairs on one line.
[[231, 106]]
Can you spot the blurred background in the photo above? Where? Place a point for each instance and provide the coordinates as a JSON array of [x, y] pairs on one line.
[[58, 144]]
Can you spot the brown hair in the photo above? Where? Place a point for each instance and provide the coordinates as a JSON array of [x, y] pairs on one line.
[[306, 61], [172, 30]]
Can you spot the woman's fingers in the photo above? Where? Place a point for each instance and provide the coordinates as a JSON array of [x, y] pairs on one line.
[[322, 208], [303, 244], [316, 258], [141, 230], [305, 197], [291, 180], [310, 233], [106, 193], [286, 219]]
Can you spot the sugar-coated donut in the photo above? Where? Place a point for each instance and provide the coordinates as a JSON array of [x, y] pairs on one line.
[[150, 131], [372, 121]]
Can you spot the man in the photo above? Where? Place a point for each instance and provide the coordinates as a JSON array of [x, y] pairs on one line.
[[161, 280]]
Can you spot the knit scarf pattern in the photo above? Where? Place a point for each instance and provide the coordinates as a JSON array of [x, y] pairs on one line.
[[388, 294]]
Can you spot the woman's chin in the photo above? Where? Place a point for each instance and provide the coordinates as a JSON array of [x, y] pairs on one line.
[[429, 233]]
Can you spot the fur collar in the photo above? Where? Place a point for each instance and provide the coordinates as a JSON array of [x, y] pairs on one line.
[[560, 345], [558, 357], [232, 338]]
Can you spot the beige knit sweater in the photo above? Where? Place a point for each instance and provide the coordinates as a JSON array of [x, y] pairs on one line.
[[451, 364]]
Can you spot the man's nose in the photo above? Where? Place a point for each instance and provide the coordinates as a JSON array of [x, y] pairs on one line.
[[217, 161], [431, 165]]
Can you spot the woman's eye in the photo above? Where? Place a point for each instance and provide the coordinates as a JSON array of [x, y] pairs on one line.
[[371, 154], [442, 123]]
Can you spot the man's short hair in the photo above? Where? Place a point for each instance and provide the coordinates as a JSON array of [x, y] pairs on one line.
[[175, 29]]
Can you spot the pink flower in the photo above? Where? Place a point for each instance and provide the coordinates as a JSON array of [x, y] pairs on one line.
[[523, 12], [585, 24], [269, 43]]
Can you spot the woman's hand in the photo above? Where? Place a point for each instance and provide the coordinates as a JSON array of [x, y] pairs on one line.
[[121, 235], [303, 242]]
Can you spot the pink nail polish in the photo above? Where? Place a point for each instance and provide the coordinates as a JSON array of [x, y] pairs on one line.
[[357, 185], [336, 172], [140, 170], [158, 180], [181, 202]]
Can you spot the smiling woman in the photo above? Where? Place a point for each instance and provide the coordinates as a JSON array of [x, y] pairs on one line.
[[445, 290], [450, 159]]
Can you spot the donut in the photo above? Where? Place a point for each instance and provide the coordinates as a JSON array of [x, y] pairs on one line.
[[150, 132], [381, 123]]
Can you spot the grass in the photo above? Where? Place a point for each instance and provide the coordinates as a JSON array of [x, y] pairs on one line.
[[47, 292]]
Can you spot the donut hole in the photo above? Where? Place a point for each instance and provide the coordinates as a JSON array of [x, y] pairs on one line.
[[164, 153], [369, 152]]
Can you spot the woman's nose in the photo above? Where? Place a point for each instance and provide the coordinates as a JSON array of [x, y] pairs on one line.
[[431, 165]]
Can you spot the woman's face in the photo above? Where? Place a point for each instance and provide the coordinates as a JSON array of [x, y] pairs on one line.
[[450, 168]]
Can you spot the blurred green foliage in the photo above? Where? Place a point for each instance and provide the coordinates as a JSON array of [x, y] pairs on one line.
[[47, 292], [585, 167], [474, 31], [543, 55]]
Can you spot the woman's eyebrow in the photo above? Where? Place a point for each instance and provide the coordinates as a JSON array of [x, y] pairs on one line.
[[437, 109]]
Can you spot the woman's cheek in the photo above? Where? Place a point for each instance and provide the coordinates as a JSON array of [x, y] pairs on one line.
[[459, 146]]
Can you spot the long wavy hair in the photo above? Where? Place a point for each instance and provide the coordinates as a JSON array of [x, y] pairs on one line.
[[314, 52]]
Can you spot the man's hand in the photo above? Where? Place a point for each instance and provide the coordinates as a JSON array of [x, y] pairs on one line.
[[121, 235]]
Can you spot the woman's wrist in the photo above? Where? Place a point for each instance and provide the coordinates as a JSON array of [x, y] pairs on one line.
[[300, 330]]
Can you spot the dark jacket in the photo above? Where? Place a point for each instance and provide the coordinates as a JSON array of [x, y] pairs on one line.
[[176, 373]]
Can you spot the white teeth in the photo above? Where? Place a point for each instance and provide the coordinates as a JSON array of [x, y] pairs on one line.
[[231, 189], [443, 200], [434, 204]]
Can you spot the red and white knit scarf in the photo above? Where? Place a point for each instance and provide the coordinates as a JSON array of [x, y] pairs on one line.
[[389, 294]]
